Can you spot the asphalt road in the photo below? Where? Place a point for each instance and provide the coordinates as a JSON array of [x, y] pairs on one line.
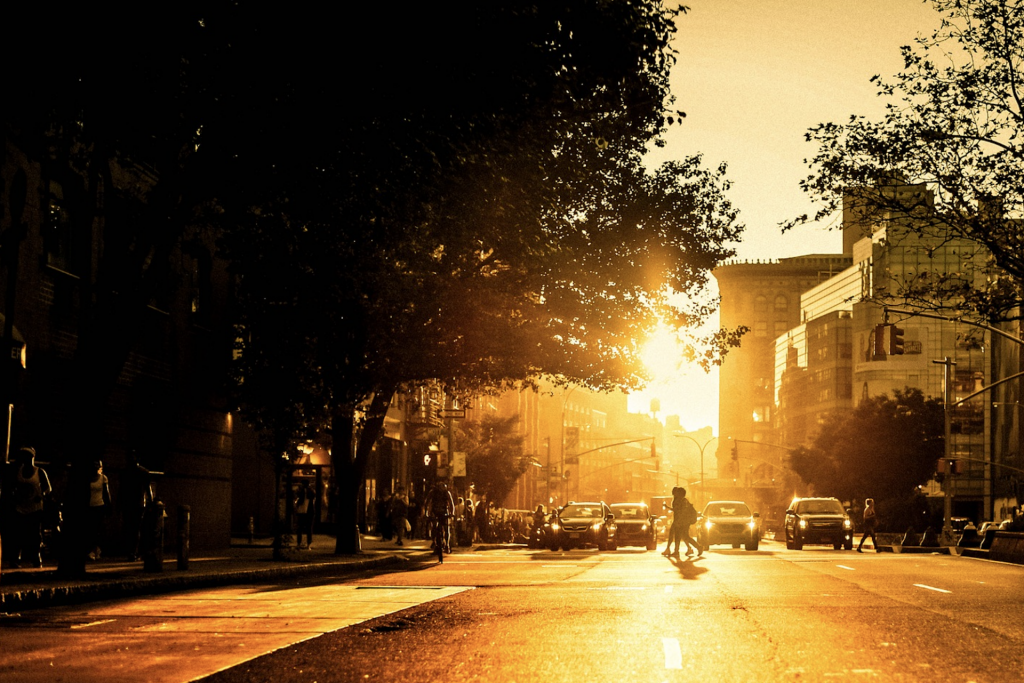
[[519, 615]]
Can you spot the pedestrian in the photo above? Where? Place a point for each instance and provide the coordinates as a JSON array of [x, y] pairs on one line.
[[672, 527], [470, 520], [870, 522], [30, 488], [684, 515], [305, 511], [399, 517], [384, 517], [482, 519], [99, 506]]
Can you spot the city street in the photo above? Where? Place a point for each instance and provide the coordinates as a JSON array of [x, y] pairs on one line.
[[524, 615]]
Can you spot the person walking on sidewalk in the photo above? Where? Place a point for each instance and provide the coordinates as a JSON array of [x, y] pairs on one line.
[[31, 486], [870, 522], [399, 517]]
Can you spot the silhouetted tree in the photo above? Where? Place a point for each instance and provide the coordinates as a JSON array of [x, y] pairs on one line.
[[883, 449], [954, 121], [455, 193]]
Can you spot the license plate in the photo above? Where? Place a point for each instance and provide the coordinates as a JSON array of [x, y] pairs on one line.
[[574, 535]]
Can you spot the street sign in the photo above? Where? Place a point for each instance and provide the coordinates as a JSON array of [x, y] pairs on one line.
[[452, 413]]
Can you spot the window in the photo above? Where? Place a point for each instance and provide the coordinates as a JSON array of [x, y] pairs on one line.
[[57, 234], [781, 303], [761, 329]]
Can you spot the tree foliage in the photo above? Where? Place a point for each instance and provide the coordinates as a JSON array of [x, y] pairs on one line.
[[883, 449], [953, 121], [457, 193], [495, 458]]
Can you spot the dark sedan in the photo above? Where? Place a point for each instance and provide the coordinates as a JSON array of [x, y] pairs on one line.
[[581, 524], [635, 525]]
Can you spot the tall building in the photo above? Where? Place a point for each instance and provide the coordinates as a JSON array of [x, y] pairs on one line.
[[829, 363], [764, 297]]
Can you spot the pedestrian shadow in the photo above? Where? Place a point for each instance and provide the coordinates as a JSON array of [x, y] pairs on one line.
[[689, 567]]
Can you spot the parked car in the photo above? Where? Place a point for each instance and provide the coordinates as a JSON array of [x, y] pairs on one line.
[[581, 524], [818, 521], [635, 525], [729, 522]]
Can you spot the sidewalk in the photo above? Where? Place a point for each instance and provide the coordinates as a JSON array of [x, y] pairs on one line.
[[241, 563]]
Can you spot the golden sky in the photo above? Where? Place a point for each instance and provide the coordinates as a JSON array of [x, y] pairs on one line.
[[753, 76]]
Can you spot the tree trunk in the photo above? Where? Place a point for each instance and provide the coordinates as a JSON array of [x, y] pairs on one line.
[[350, 452]]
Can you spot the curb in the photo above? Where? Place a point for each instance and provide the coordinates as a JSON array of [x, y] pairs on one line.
[[108, 589]]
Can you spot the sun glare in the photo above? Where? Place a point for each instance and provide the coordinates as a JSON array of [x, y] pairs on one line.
[[663, 356]]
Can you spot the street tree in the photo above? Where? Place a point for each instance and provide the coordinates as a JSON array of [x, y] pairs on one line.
[[495, 458], [884, 449], [953, 124], [468, 205]]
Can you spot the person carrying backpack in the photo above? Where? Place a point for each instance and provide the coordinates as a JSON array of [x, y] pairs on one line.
[[684, 515]]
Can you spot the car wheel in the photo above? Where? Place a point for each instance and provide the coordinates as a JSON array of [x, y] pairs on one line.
[[789, 541], [752, 544], [837, 545], [848, 545], [652, 544], [602, 544], [798, 543], [735, 545], [554, 546]]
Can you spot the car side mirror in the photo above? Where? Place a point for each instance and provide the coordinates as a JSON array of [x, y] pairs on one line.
[[609, 518], [757, 514], [789, 511]]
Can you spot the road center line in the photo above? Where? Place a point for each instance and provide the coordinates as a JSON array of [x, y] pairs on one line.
[[932, 588], [673, 654], [843, 566], [668, 589]]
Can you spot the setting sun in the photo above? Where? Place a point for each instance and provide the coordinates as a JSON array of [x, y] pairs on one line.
[[682, 388]]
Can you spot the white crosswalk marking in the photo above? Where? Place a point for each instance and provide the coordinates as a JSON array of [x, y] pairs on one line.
[[673, 654]]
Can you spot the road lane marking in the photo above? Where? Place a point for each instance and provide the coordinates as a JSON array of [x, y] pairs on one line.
[[673, 653], [932, 588], [843, 566], [618, 588], [93, 623], [668, 589]]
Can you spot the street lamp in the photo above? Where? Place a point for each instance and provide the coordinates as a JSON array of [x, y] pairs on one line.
[[703, 495]]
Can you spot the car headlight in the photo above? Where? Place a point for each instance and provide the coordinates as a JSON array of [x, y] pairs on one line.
[[596, 526], [751, 525], [847, 524], [803, 523], [554, 526], [644, 527], [708, 524]]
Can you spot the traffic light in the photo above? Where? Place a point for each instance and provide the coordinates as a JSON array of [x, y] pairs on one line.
[[735, 452], [895, 341], [878, 345]]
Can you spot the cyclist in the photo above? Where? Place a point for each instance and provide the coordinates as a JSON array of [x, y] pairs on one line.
[[441, 507]]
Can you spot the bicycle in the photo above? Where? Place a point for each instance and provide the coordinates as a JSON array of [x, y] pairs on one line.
[[440, 537]]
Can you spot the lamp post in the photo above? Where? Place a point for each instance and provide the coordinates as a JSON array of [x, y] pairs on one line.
[[703, 496], [561, 449]]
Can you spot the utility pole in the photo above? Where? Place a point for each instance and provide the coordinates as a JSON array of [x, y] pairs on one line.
[[947, 414]]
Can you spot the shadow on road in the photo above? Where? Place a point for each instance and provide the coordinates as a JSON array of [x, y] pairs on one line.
[[688, 567]]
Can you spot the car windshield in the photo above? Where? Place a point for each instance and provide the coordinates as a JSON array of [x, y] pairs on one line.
[[630, 511], [819, 507], [726, 510], [581, 510]]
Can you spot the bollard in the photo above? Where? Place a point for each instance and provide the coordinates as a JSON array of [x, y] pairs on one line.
[[153, 537], [930, 539], [184, 514]]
